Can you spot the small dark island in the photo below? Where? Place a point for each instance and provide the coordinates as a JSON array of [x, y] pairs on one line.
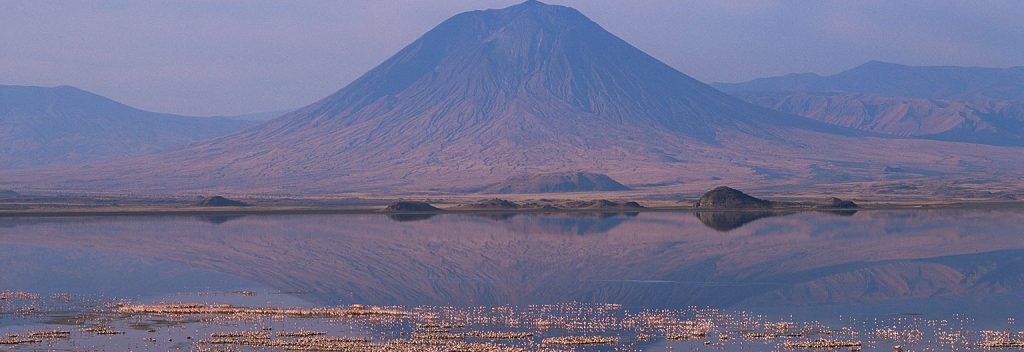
[[599, 204], [498, 204], [729, 198], [490, 204], [836, 203], [410, 206], [219, 201]]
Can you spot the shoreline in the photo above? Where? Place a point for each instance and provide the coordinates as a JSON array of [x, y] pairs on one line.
[[102, 211]]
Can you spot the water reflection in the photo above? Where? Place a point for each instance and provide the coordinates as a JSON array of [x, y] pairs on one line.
[[410, 217], [577, 223], [725, 221], [47, 270], [218, 219], [807, 259]]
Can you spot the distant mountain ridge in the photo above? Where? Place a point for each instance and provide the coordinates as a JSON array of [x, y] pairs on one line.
[[66, 125], [994, 122], [962, 104], [889, 79]]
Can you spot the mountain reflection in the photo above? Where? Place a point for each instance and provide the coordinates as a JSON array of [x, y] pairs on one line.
[[651, 259]]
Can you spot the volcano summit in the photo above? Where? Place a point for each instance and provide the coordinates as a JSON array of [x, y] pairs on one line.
[[526, 90]]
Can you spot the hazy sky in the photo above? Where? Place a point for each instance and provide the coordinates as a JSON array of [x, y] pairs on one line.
[[229, 57]]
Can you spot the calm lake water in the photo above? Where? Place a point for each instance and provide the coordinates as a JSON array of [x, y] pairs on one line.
[[930, 271]]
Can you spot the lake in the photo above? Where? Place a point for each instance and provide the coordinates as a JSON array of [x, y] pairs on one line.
[[920, 279]]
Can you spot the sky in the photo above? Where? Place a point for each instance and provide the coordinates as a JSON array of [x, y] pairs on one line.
[[218, 57]]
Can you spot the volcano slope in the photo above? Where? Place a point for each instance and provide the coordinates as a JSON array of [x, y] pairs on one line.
[[528, 89]]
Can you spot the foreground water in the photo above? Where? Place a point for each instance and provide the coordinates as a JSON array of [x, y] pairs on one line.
[[918, 279]]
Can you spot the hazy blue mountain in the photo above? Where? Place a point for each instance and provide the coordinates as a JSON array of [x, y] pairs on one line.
[[889, 79], [65, 125], [257, 116]]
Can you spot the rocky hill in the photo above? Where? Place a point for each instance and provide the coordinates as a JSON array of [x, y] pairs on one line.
[[728, 198]]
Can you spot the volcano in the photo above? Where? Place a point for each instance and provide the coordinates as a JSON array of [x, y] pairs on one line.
[[525, 90]]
